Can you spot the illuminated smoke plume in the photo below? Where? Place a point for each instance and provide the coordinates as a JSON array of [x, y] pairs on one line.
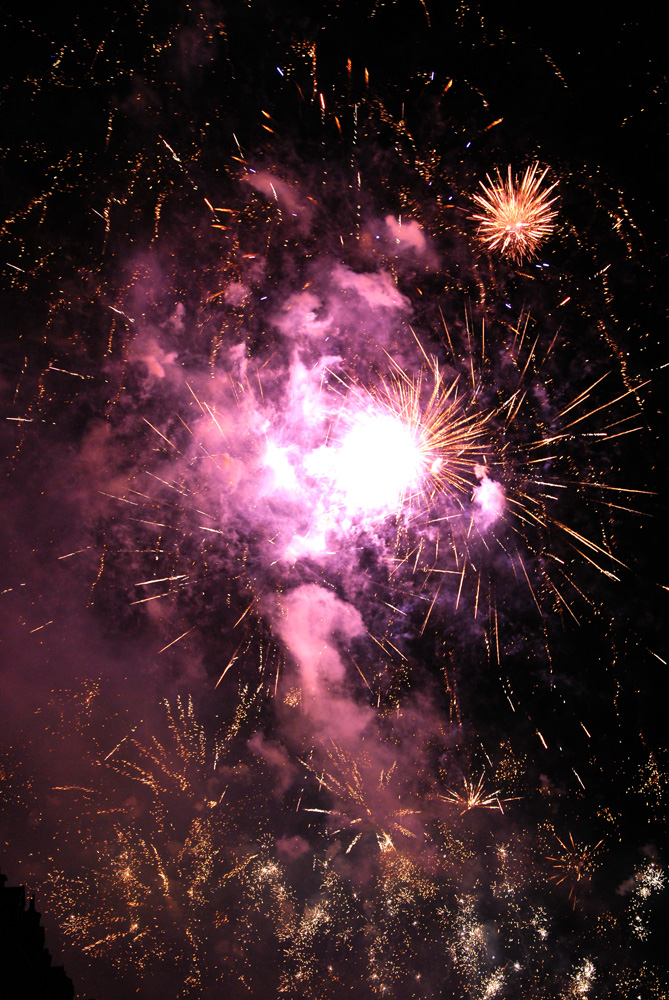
[[488, 497]]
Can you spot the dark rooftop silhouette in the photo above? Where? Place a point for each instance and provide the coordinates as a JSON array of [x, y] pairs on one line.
[[26, 971]]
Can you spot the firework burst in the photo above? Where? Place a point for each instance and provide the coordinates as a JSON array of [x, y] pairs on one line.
[[574, 865], [367, 799], [154, 814], [516, 213], [408, 439], [474, 795]]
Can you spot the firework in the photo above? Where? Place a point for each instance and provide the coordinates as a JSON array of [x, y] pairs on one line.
[[404, 441], [648, 880], [516, 214], [286, 442], [474, 796], [367, 799], [574, 865], [159, 849]]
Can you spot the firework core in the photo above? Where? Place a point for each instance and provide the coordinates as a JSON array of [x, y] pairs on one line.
[[375, 465]]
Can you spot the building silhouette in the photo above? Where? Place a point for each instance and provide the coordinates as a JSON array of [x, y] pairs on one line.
[[26, 972]]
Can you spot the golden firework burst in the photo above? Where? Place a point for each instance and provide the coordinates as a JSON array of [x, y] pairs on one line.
[[574, 865], [516, 213], [446, 432], [473, 795]]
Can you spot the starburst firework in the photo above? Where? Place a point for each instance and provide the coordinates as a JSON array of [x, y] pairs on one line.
[[473, 795], [516, 213], [574, 865], [421, 433]]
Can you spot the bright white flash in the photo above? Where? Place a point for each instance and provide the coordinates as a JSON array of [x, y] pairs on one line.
[[277, 460], [378, 461]]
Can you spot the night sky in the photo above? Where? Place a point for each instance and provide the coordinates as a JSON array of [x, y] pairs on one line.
[[283, 714]]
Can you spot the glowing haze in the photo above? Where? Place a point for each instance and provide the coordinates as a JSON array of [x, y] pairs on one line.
[[374, 466]]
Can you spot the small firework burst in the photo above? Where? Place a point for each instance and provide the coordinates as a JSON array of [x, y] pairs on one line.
[[366, 798], [473, 795], [517, 213], [574, 865], [422, 429]]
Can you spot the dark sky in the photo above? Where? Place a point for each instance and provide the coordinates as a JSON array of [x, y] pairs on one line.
[[257, 738]]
